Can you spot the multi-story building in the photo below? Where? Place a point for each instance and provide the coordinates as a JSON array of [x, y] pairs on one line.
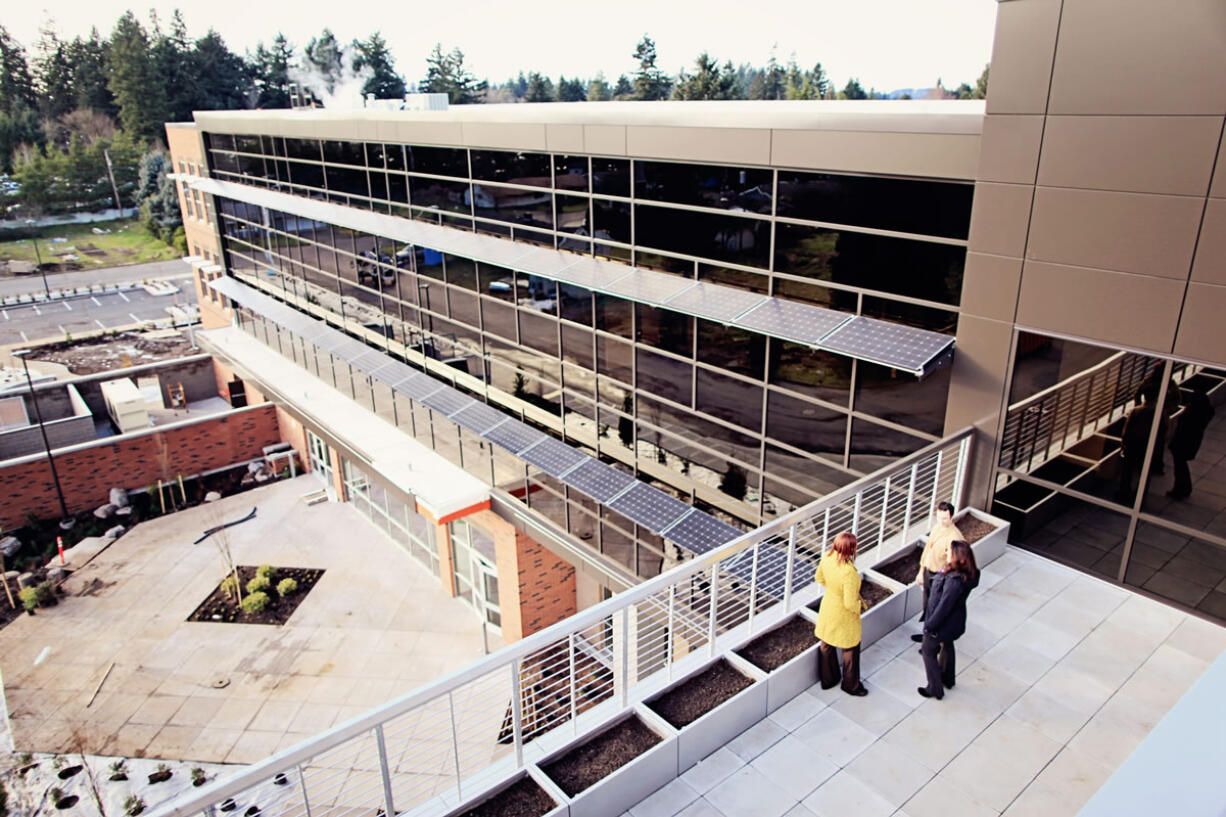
[[738, 307]]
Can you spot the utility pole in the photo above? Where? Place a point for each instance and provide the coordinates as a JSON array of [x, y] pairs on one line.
[[106, 154], [39, 257]]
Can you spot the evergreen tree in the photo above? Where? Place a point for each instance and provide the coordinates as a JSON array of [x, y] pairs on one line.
[[446, 74], [770, 83], [853, 90], [819, 82], [138, 91], [224, 82], [16, 84], [981, 84], [324, 58], [571, 90], [708, 81], [269, 70], [650, 83], [598, 89], [623, 89], [173, 68], [519, 86], [90, 72], [373, 55], [21, 127], [158, 199], [540, 89], [53, 73]]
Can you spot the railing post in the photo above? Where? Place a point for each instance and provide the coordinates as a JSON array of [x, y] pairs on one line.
[[906, 519], [712, 609], [753, 584], [885, 511], [570, 658], [668, 647], [455, 749], [389, 809], [825, 531], [625, 653], [936, 484], [306, 803], [787, 573], [855, 514], [517, 715]]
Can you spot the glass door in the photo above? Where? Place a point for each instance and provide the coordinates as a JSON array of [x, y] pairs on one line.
[[321, 460], [476, 575]]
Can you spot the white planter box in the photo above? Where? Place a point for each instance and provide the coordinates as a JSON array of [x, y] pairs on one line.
[[560, 810], [612, 795], [787, 681], [708, 733], [885, 615], [991, 547]]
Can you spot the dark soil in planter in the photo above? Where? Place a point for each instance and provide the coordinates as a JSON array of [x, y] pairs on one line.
[[904, 567], [118, 777], [602, 755], [773, 649], [974, 529], [872, 593], [687, 702], [66, 802], [524, 799], [69, 772], [160, 777], [219, 607]]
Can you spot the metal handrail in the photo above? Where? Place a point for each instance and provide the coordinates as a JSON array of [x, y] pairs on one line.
[[723, 568]]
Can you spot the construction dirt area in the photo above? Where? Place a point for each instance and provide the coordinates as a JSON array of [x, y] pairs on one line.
[[118, 351]]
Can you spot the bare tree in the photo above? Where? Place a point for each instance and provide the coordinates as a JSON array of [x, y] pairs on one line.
[[221, 541]]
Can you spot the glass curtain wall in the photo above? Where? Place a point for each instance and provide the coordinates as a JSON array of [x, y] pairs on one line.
[[1115, 462]]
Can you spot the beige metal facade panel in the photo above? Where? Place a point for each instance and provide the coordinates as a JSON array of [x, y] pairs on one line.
[[1218, 188], [999, 218], [1209, 266], [1022, 55], [1202, 330], [950, 156], [1009, 148], [504, 135], [1139, 311], [429, 133], [564, 138], [725, 145], [1140, 57], [976, 389], [1143, 154], [604, 140], [1130, 232], [990, 285]]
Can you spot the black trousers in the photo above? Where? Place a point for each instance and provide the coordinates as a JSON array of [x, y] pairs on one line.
[[926, 583], [828, 667], [1183, 477], [940, 664]]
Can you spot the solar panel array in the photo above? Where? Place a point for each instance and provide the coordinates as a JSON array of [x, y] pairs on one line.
[[895, 345], [650, 507]]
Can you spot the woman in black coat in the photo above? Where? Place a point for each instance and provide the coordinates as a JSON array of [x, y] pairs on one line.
[[945, 618]]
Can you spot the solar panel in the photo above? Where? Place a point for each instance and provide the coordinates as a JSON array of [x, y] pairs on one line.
[[552, 456], [390, 372], [649, 507], [891, 344], [771, 572], [478, 417], [447, 400], [699, 533], [418, 386], [599, 481], [540, 261], [715, 302], [593, 273], [368, 360], [792, 321], [514, 436], [648, 287]]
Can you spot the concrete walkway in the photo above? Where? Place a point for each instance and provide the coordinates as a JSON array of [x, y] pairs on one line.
[[1061, 677], [154, 270], [375, 626]]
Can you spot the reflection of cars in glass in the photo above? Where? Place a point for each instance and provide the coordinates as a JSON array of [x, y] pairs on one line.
[[371, 264]]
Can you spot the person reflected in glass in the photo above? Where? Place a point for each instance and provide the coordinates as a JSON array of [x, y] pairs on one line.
[[838, 617], [945, 619], [1186, 439], [936, 554], [1135, 440]]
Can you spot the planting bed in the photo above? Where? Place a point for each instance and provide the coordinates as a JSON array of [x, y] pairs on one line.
[[523, 799], [590, 762], [689, 701], [775, 648], [974, 529], [220, 607], [904, 567]]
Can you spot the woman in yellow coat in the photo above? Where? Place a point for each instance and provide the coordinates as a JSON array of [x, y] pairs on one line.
[[838, 618]]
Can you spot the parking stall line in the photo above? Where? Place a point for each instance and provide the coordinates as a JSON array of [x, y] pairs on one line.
[[101, 325], [67, 305], [133, 316], [95, 300], [121, 295]]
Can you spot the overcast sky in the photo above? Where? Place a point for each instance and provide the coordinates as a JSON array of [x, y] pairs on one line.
[[887, 44]]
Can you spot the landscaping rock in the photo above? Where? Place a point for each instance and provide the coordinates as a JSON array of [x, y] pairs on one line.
[[26, 580], [115, 532], [126, 510], [9, 545], [212, 496], [11, 575], [119, 497], [56, 574], [105, 511]]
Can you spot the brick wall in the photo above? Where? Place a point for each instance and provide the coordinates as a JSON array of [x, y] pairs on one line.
[[224, 374], [87, 474]]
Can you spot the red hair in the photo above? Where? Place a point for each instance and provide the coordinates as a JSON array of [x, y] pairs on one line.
[[845, 546]]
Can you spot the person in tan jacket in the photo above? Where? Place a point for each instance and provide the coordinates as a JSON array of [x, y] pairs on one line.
[[838, 617], [936, 554]]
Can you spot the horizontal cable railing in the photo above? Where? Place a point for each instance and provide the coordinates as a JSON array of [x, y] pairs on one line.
[[448, 738]]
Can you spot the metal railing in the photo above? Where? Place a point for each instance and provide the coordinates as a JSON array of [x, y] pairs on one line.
[[449, 739], [1044, 426]]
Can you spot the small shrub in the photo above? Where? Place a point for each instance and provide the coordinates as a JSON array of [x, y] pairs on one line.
[[118, 767], [162, 767], [133, 805], [56, 794], [29, 597], [267, 571], [198, 776], [259, 584], [256, 601], [286, 586], [25, 758], [58, 762], [229, 585]]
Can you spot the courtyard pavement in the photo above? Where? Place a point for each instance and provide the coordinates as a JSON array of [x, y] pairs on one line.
[[1061, 676], [375, 626]]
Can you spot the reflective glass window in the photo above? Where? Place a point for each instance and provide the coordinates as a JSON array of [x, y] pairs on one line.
[[614, 358], [611, 176], [614, 314], [575, 304], [729, 398], [874, 446], [611, 220], [532, 208], [570, 173], [344, 153], [437, 161], [302, 149], [728, 347], [803, 369], [573, 214], [439, 195], [902, 398], [511, 167], [664, 376], [726, 188], [906, 205], [806, 426], [665, 329], [708, 235]]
